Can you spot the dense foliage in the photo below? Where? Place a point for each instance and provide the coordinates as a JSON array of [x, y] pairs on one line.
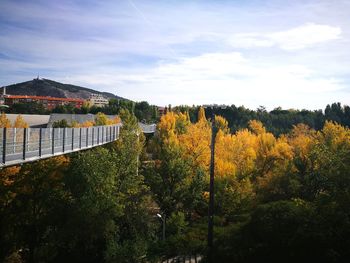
[[277, 199], [282, 198], [277, 121], [90, 206]]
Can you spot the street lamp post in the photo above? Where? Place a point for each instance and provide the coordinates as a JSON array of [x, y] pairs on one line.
[[137, 158], [163, 221]]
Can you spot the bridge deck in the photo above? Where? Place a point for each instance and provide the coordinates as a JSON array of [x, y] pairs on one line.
[[19, 145]]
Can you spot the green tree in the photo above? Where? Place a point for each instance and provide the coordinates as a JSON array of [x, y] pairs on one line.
[[61, 124], [136, 224], [101, 119], [29, 217], [168, 179], [91, 227]]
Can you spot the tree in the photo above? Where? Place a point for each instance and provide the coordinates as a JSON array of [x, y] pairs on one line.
[[61, 124], [101, 119], [20, 123], [287, 231], [29, 216], [86, 124], [196, 144], [136, 224], [91, 228], [92, 207], [256, 127], [201, 115], [4, 121]]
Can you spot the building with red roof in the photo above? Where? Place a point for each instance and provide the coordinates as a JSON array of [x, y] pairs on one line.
[[48, 102]]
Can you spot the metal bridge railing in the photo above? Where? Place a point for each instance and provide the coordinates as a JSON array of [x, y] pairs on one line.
[[18, 145]]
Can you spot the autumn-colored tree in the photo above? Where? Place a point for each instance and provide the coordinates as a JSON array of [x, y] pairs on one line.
[[4, 121], [20, 122], [167, 123], [196, 144], [201, 115], [166, 129], [101, 119], [256, 127], [87, 124], [224, 155], [244, 149], [302, 139], [221, 124], [270, 151], [182, 122], [334, 135], [115, 120]]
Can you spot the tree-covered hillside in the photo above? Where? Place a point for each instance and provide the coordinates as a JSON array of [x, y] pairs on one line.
[[46, 87]]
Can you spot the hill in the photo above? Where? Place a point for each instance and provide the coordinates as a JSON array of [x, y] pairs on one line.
[[46, 87]]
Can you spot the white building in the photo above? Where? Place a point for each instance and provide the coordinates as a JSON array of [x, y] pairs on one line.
[[97, 100]]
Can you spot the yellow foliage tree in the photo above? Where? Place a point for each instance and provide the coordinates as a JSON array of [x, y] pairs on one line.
[[245, 153], [115, 120], [201, 115], [256, 126], [75, 124], [167, 124], [4, 121], [20, 122], [301, 140], [235, 154], [221, 124], [196, 143], [334, 135], [224, 165], [182, 122], [166, 132], [87, 124], [101, 119], [270, 152]]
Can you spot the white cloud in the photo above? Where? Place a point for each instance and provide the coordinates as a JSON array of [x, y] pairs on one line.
[[250, 40], [305, 36], [227, 78], [296, 38]]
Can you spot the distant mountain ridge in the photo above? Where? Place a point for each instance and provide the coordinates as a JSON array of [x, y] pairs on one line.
[[46, 87]]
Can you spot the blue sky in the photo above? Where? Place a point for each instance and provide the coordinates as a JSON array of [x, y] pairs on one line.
[[293, 54]]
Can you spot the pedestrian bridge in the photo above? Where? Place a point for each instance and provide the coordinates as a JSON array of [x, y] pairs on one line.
[[20, 145]]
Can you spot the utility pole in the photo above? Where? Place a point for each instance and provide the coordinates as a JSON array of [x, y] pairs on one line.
[[211, 182]]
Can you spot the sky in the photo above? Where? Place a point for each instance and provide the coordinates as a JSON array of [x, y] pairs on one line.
[[272, 53]]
